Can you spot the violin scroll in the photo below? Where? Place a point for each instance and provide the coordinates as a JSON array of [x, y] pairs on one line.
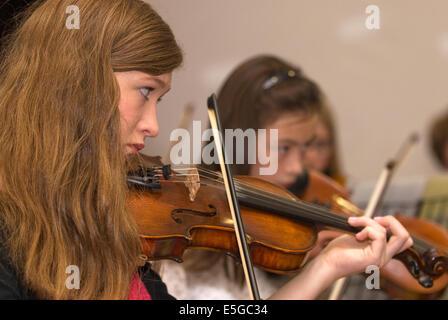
[[436, 262], [410, 258]]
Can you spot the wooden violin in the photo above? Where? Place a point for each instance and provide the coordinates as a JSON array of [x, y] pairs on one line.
[[187, 208], [427, 236]]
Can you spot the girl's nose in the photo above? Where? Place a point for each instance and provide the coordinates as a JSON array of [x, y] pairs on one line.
[[149, 123]]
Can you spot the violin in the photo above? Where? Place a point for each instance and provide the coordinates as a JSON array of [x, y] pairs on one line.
[[187, 208], [322, 190]]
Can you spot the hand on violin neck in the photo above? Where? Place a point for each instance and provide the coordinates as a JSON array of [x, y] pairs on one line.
[[399, 239], [348, 255]]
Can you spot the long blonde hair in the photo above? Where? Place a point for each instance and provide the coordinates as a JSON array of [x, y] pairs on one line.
[[63, 199]]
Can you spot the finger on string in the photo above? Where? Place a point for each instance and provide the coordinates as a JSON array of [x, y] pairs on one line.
[[370, 233], [377, 243], [400, 238], [363, 222]]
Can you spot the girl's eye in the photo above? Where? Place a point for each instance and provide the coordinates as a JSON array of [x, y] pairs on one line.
[[145, 91], [283, 149]]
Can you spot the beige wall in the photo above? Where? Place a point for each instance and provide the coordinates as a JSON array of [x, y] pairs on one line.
[[382, 84]]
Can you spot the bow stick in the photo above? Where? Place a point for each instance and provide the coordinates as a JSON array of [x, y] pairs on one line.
[[232, 199], [377, 197]]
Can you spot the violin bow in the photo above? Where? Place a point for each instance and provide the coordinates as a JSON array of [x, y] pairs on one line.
[[232, 199], [377, 197]]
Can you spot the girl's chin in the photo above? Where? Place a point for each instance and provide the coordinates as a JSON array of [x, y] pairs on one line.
[[130, 149]]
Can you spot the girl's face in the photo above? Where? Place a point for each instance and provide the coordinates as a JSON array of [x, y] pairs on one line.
[[295, 133], [139, 94], [318, 154]]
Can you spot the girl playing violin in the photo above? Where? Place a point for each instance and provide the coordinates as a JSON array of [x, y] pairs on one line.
[[76, 104]]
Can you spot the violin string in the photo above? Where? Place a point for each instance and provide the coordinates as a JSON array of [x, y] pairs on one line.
[[418, 243], [243, 184], [310, 209], [299, 205], [315, 212], [240, 185]]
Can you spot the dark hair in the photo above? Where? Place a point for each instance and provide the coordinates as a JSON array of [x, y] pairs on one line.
[[9, 11], [262, 88], [439, 138], [60, 85]]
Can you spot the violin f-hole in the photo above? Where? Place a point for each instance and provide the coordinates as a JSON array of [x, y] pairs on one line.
[[176, 212]]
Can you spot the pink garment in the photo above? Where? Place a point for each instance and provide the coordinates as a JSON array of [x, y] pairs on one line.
[[138, 290]]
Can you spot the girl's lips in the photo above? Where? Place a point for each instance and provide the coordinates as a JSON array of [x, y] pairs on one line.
[[139, 146]]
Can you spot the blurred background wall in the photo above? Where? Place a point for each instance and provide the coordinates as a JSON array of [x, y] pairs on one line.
[[382, 84]]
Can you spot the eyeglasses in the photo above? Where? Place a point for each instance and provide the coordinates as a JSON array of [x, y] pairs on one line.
[[320, 145]]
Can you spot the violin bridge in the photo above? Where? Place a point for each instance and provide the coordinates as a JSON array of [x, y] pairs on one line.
[[193, 183]]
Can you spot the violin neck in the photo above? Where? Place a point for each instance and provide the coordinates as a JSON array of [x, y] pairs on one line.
[[305, 211], [295, 209]]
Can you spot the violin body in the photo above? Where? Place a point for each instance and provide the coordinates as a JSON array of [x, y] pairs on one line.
[[170, 223]]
